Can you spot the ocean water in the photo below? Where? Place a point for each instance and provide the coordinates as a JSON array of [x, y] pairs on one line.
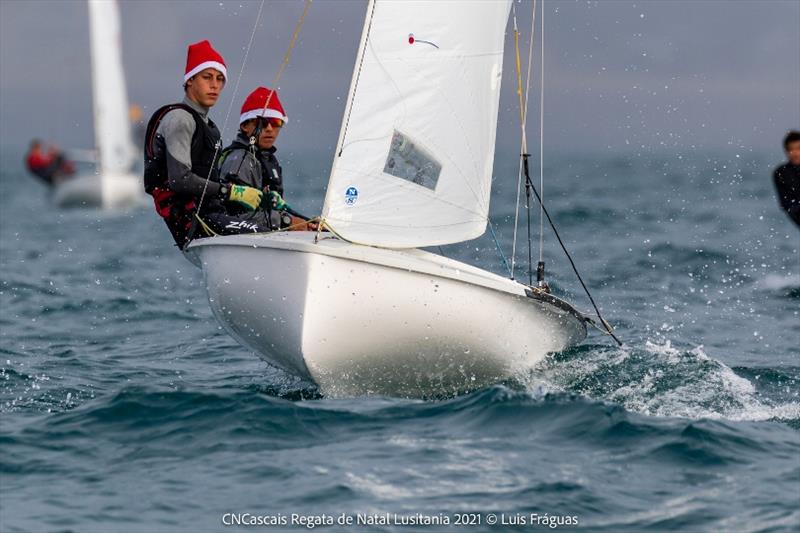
[[125, 408]]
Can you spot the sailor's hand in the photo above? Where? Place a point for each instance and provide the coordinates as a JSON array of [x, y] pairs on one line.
[[248, 197], [301, 224], [276, 201]]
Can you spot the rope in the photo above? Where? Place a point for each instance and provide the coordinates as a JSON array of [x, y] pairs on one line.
[[541, 143], [523, 124], [497, 245], [522, 141], [287, 55], [297, 225], [606, 325], [241, 70], [343, 136], [528, 183], [230, 107], [205, 226], [518, 65], [292, 227], [285, 62], [358, 77]]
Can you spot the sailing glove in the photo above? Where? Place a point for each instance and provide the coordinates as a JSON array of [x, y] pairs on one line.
[[247, 197], [277, 202]]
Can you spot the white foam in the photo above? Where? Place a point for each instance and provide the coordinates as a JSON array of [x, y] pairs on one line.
[[779, 282], [668, 382]]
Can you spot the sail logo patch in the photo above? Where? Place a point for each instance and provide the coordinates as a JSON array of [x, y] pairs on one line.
[[350, 196]]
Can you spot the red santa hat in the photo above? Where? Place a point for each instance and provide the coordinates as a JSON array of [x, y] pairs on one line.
[[201, 56], [256, 105]]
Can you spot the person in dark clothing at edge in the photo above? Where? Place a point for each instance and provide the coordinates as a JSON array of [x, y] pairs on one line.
[[250, 160], [181, 144], [50, 165], [787, 177]]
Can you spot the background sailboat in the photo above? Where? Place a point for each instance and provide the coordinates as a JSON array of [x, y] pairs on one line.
[[364, 312], [113, 184]]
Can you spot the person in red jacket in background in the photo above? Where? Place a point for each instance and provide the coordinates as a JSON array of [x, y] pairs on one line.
[[48, 164]]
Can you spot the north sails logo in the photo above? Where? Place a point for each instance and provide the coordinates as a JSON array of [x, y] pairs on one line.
[[350, 196]]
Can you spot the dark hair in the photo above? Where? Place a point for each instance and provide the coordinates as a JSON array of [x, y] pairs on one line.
[[792, 136]]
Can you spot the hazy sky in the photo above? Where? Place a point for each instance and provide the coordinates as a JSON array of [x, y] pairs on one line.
[[620, 75]]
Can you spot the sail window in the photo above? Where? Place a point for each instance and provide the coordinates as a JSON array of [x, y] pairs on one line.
[[410, 162]]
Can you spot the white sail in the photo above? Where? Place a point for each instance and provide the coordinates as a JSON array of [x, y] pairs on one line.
[[414, 160], [116, 153]]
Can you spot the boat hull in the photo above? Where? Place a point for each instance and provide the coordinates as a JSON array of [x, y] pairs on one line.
[[359, 320], [107, 192]]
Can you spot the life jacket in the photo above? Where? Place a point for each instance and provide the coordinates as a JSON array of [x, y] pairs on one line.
[[271, 171], [178, 210], [41, 166]]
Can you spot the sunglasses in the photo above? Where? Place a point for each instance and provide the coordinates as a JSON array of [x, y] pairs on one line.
[[274, 122]]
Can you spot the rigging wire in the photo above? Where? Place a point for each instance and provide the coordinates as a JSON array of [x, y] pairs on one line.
[[541, 140], [523, 119], [276, 80], [288, 54], [529, 186], [228, 113], [605, 324]]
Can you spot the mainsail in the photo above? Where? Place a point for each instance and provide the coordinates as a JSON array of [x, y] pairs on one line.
[[414, 161], [112, 131]]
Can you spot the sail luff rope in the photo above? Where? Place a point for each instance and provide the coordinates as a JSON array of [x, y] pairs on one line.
[[523, 124], [275, 83], [358, 78]]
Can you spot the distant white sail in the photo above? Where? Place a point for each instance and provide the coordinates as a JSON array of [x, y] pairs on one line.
[[414, 161], [116, 153]]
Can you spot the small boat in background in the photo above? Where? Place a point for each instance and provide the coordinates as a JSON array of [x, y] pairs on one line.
[[113, 184]]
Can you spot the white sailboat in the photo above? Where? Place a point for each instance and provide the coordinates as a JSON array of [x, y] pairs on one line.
[[113, 183], [361, 310]]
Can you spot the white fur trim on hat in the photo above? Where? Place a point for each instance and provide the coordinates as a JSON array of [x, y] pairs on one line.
[[262, 113], [208, 64]]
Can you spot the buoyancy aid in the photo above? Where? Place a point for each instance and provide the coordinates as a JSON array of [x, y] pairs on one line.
[[271, 171], [177, 209]]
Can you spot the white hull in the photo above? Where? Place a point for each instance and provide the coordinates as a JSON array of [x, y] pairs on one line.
[[360, 320], [107, 192]]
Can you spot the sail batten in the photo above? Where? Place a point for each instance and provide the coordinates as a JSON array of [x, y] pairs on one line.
[[416, 149]]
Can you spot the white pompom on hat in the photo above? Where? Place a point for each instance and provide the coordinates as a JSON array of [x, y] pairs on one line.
[[254, 105], [201, 56]]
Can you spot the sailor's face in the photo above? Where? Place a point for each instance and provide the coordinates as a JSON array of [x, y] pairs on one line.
[[793, 152], [269, 132], [205, 86]]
